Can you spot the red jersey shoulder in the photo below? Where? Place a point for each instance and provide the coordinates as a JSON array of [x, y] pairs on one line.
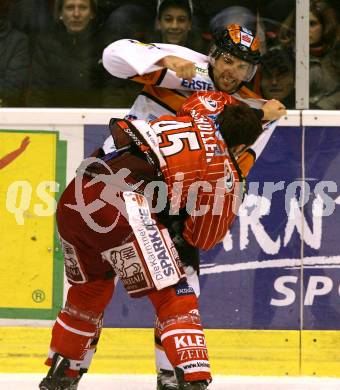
[[207, 102]]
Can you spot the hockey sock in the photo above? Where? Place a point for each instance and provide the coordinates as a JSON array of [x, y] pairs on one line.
[[181, 332]]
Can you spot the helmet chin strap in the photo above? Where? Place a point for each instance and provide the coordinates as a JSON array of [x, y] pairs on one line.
[[236, 89]]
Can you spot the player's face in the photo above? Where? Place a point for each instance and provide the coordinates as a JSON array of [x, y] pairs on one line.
[[229, 72], [315, 30], [174, 25], [76, 15]]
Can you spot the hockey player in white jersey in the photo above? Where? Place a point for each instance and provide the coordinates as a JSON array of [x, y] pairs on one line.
[[170, 73]]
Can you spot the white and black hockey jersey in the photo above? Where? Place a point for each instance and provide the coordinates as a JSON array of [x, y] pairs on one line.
[[164, 93]]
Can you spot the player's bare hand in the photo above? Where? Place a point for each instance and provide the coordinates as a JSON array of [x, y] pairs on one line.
[[24, 143], [184, 69], [273, 109]]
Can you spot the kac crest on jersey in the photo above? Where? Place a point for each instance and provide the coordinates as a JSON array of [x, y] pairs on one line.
[[208, 103]]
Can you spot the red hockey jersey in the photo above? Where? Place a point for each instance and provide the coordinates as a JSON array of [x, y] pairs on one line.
[[210, 104], [201, 175]]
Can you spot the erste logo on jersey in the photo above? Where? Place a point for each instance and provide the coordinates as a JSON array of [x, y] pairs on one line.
[[198, 85], [208, 103]]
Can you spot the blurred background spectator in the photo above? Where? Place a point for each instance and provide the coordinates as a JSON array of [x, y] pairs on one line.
[[14, 61], [234, 14], [32, 17], [209, 10], [324, 40], [126, 18], [66, 66], [276, 10], [174, 25], [277, 76], [76, 67]]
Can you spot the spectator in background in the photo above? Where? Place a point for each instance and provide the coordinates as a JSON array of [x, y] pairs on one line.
[[126, 19], [276, 10], [207, 11], [66, 68], [324, 40], [174, 25], [14, 61], [32, 17], [277, 76], [234, 14]]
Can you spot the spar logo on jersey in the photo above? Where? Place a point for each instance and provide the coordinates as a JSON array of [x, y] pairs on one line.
[[208, 103], [229, 178]]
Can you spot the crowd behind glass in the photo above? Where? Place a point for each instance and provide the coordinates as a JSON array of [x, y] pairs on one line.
[[50, 50]]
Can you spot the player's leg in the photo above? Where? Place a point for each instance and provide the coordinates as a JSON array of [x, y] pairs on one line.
[[74, 333], [166, 377], [182, 335], [189, 255], [78, 325]]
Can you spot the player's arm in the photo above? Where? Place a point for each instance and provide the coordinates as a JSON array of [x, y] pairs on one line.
[[182, 67], [273, 110], [126, 58], [206, 231], [129, 58], [217, 204], [269, 111]]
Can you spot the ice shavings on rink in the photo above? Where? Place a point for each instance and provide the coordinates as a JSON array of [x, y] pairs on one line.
[[148, 382]]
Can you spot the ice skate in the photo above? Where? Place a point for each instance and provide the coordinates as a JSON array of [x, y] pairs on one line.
[[56, 378], [196, 385], [166, 380]]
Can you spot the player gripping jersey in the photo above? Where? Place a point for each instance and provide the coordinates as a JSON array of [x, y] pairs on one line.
[[200, 173]]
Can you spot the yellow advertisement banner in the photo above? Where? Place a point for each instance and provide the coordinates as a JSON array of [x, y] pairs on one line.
[[28, 188]]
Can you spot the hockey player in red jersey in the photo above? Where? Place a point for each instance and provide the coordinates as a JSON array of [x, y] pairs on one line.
[[170, 74], [109, 222], [211, 104]]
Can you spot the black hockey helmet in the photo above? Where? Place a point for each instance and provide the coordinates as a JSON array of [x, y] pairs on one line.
[[239, 42]]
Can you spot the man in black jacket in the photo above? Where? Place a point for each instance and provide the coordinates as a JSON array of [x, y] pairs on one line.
[[14, 61], [66, 67]]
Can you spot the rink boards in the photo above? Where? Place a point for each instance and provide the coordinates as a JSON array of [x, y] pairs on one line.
[[232, 352], [269, 292]]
